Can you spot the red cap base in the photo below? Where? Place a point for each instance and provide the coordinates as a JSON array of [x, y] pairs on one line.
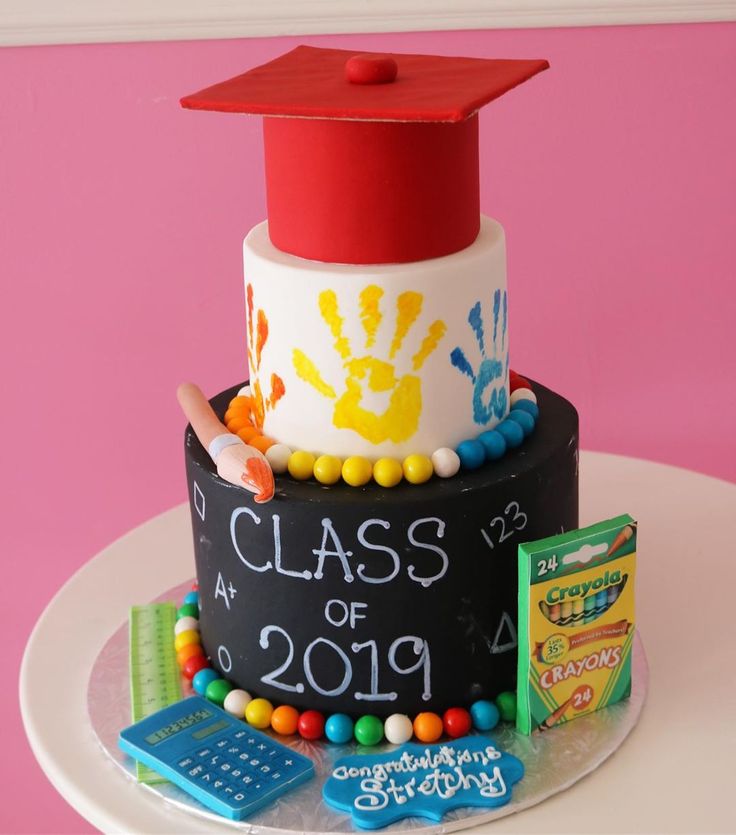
[[355, 192]]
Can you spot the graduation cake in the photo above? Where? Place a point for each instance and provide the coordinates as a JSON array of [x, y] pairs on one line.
[[356, 517]]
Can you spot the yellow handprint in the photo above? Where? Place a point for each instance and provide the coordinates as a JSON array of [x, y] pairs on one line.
[[401, 419]]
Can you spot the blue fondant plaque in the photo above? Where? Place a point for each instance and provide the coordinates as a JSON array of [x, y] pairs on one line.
[[422, 781]]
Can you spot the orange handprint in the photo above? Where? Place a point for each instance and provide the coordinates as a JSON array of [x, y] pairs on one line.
[[261, 405]]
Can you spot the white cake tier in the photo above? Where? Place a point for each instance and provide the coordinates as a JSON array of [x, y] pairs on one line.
[[381, 360]]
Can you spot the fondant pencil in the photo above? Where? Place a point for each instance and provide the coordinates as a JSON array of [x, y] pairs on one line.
[[236, 462], [555, 717], [621, 539]]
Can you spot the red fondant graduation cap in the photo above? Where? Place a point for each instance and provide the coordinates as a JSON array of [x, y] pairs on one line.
[[370, 158]]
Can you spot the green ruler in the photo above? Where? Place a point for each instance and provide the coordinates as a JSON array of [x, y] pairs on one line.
[[155, 682]]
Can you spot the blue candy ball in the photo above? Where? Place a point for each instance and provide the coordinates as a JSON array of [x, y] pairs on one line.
[[192, 597], [471, 454], [512, 433], [526, 406], [493, 443], [484, 714], [203, 679], [339, 728], [525, 420]]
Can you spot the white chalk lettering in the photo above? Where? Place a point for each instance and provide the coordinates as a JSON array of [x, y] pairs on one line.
[[427, 581]]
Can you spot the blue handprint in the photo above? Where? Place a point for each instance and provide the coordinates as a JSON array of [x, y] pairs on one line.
[[493, 369]]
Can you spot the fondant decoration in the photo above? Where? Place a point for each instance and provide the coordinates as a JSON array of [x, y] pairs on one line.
[[236, 462], [203, 679], [422, 781], [191, 636], [512, 433], [339, 728], [387, 472], [236, 702], [185, 623], [446, 462], [456, 722], [575, 659], [485, 715], [471, 454], [187, 652], [524, 419], [370, 376], [217, 690], [191, 597], [328, 469], [244, 391], [301, 465], [301, 590], [427, 727], [417, 468], [258, 713], [357, 471], [368, 730], [371, 69], [494, 444], [408, 148], [193, 665], [285, 720], [398, 728], [188, 610], [489, 398], [257, 338], [522, 394], [278, 458], [311, 724]]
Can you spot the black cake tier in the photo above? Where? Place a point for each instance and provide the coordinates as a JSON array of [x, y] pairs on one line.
[[377, 600]]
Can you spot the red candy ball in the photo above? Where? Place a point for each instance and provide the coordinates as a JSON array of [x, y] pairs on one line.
[[457, 722], [519, 383], [193, 665], [311, 724]]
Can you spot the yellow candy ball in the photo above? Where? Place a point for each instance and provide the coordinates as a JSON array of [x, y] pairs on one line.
[[301, 465], [417, 469], [190, 636], [258, 713], [357, 470], [327, 469], [387, 472]]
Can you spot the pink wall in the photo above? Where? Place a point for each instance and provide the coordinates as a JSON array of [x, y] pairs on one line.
[[121, 216]]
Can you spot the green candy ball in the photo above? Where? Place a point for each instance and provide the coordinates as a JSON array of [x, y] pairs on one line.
[[368, 730], [506, 704], [217, 690], [188, 610]]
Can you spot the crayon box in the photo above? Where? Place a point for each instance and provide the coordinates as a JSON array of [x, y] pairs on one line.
[[576, 623]]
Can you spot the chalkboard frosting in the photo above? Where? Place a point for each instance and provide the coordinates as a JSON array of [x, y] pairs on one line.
[[375, 600]]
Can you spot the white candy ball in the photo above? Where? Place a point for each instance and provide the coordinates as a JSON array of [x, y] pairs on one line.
[[278, 457], [244, 392], [236, 701], [445, 462], [186, 623], [523, 394], [398, 728]]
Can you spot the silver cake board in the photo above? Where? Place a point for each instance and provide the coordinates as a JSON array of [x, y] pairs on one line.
[[553, 761]]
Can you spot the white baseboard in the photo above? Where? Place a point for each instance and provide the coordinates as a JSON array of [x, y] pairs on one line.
[[24, 22]]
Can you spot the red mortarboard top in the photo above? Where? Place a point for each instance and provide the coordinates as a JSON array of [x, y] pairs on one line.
[[374, 158]]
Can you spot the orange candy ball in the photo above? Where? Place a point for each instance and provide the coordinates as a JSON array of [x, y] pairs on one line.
[[427, 727], [241, 402], [187, 652], [284, 720], [247, 433], [237, 423], [261, 442]]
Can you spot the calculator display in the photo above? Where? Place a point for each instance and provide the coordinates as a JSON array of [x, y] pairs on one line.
[[179, 725]]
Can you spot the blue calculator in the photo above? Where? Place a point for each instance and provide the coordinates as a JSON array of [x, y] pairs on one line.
[[222, 762]]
